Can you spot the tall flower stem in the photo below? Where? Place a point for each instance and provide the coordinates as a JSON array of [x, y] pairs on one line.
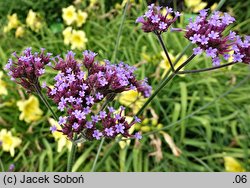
[[182, 54], [38, 90], [71, 157], [120, 31], [113, 59], [165, 50], [97, 155], [102, 141], [206, 69], [163, 83]]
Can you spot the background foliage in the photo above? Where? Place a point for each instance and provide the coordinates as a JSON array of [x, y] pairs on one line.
[[207, 115]]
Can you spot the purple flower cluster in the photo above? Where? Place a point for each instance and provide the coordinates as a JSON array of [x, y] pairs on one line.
[[78, 93], [207, 33], [27, 68], [154, 20], [241, 50]]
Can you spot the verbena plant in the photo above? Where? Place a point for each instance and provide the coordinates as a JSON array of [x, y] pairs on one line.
[[83, 90]]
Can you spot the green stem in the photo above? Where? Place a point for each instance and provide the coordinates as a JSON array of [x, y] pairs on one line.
[[114, 59], [163, 83], [97, 155], [71, 157], [165, 50], [206, 69], [1, 165], [45, 101], [168, 78], [104, 105], [220, 4], [182, 53], [120, 31], [178, 58]]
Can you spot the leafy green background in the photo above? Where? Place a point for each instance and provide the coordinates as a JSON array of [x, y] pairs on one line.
[[207, 114]]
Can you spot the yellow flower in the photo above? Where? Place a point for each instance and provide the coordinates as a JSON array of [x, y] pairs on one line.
[[132, 99], [67, 32], [214, 6], [192, 3], [195, 5], [33, 21], [31, 17], [69, 14], [201, 6], [164, 12], [30, 110], [3, 89], [37, 26], [78, 40], [126, 142], [232, 165], [6, 29], [164, 64], [59, 137], [13, 22], [81, 18], [9, 142], [92, 3], [19, 32]]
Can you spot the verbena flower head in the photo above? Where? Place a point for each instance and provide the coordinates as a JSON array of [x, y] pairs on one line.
[[207, 33], [27, 68], [78, 91], [154, 21], [242, 50]]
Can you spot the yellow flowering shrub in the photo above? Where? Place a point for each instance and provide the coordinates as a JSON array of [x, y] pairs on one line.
[[30, 110], [3, 89], [9, 142], [61, 139]]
